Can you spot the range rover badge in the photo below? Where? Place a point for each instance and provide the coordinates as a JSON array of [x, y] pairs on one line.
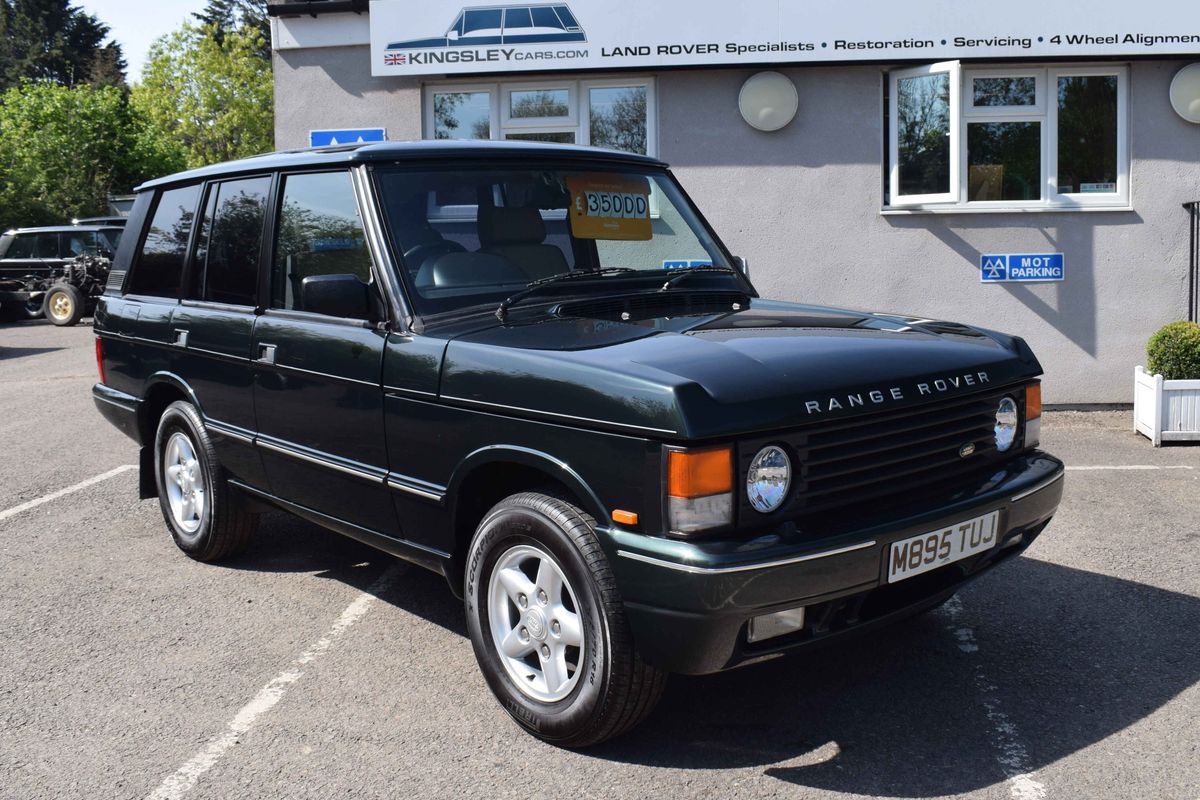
[[966, 450]]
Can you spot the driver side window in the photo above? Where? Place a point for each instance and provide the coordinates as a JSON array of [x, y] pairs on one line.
[[319, 233]]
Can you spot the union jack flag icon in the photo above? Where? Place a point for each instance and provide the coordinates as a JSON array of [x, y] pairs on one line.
[[395, 59]]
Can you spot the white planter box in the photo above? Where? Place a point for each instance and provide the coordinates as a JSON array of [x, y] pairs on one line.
[[1165, 411]]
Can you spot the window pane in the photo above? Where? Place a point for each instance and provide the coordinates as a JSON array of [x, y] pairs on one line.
[[1087, 134], [487, 19], [159, 269], [320, 233], [544, 17], [48, 246], [559, 137], [227, 264], [79, 243], [1005, 91], [462, 115], [539, 103], [22, 246], [564, 14], [923, 114], [618, 118], [517, 18], [1004, 161]]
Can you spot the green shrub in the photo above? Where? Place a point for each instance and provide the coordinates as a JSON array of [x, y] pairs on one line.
[[1174, 351]]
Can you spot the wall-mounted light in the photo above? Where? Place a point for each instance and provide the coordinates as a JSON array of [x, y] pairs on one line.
[[768, 101], [1185, 93]]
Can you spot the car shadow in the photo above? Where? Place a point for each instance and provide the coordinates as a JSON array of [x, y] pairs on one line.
[[20, 352], [1056, 660]]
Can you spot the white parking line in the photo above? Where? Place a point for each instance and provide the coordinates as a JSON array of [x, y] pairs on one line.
[[1134, 467], [1011, 752], [178, 783], [12, 512]]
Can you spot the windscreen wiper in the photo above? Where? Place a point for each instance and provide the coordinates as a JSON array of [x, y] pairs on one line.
[[684, 274], [535, 286]]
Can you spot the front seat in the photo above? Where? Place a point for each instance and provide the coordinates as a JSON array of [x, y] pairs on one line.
[[519, 235]]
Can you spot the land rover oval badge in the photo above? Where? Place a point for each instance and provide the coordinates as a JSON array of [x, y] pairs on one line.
[[966, 450]]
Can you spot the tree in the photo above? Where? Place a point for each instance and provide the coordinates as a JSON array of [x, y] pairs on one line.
[[224, 16], [215, 98], [64, 150], [50, 40]]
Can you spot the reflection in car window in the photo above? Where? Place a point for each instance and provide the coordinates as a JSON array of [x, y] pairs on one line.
[[159, 269], [227, 250], [532, 223], [320, 233]]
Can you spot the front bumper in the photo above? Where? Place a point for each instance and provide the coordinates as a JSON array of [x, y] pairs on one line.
[[689, 603]]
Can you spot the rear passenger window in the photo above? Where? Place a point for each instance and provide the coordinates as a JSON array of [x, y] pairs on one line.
[[320, 233], [230, 241], [159, 268]]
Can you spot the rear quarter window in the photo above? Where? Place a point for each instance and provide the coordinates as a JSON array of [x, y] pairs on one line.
[[158, 269]]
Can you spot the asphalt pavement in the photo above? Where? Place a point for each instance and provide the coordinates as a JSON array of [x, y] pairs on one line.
[[313, 666]]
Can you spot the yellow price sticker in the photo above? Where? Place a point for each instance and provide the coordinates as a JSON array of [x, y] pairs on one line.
[[610, 207]]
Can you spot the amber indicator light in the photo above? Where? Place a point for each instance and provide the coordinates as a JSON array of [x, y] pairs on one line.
[[698, 473], [1033, 401], [624, 517]]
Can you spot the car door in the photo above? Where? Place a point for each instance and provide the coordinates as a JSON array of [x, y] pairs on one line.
[[154, 281], [20, 258], [317, 393], [214, 322]]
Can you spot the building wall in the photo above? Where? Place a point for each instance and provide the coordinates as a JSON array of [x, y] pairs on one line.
[[332, 87], [803, 205]]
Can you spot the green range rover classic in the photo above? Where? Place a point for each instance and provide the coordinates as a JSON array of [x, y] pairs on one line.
[[536, 370]]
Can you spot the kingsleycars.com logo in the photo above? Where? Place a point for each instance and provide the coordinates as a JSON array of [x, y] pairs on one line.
[[479, 27]]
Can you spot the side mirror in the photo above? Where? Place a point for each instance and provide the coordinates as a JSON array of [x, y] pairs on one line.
[[742, 265], [336, 296]]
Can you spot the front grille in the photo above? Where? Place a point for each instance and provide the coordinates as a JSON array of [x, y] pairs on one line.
[[897, 457]]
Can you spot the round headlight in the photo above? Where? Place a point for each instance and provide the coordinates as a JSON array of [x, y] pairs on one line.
[[768, 479], [1006, 423]]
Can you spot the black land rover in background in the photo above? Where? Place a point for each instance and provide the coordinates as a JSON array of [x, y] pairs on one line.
[[536, 370]]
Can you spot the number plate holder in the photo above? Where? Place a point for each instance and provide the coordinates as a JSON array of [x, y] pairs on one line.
[[928, 551]]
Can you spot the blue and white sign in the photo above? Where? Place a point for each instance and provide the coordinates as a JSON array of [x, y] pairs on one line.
[[686, 263], [346, 136], [1022, 268]]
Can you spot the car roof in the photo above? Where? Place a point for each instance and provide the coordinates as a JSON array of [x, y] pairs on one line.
[[65, 229], [429, 149]]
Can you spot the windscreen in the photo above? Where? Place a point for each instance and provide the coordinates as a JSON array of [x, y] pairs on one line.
[[474, 236]]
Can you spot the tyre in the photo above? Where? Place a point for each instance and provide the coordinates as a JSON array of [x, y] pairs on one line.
[[207, 519], [548, 627], [63, 304], [32, 309]]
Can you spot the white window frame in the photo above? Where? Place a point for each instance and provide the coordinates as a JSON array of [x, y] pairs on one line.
[[578, 122], [542, 124], [954, 71], [1044, 111]]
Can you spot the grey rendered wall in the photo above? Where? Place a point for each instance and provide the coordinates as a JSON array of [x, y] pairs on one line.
[[803, 205], [332, 87]]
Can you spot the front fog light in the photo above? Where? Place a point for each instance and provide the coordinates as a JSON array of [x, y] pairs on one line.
[[1006, 423], [768, 479], [771, 625]]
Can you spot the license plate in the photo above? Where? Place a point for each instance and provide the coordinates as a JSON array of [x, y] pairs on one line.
[[938, 548]]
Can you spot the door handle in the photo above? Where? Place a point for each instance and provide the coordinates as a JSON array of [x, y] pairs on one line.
[[181, 337], [266, 354]]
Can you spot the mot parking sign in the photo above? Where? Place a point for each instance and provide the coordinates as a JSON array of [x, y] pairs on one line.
[[1022, 268]]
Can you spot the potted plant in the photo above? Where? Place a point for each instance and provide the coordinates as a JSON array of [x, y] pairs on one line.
[[1166, 397]]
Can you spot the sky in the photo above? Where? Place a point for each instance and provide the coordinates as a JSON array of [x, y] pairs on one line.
[[136, 24]]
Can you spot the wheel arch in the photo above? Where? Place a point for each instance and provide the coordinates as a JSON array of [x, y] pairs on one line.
[[489, 474]]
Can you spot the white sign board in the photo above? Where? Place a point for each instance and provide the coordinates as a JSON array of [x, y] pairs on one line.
[[440, 37]]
